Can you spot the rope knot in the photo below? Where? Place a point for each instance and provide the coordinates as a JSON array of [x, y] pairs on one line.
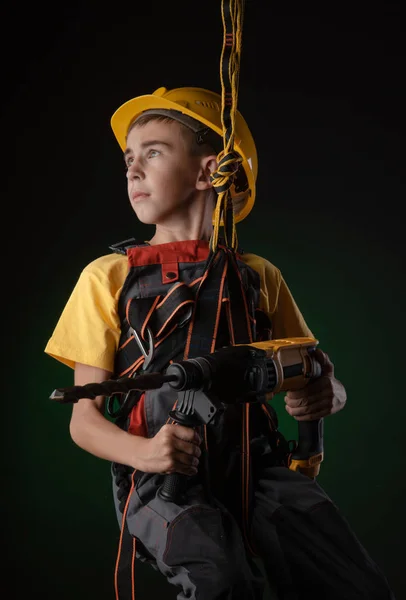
[[228, 166]]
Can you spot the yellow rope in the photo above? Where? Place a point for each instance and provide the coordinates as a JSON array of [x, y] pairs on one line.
[[228, 159]]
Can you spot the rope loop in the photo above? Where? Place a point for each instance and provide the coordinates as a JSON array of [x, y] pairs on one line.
[[232, 12]]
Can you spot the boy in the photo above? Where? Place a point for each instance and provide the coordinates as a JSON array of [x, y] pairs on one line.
[[165, 295]]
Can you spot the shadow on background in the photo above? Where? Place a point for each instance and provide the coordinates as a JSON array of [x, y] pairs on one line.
[[326, 111]]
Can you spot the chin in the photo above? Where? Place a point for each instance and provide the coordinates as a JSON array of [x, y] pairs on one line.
[[147, 221], [145, 216], [152, 217]]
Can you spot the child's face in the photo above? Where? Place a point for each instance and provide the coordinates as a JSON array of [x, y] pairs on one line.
[[161, 173]]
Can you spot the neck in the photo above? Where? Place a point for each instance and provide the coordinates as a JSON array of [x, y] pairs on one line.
[[164, 236], [196, 224]]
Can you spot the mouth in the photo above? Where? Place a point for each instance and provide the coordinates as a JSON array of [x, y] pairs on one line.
[[137, 196]]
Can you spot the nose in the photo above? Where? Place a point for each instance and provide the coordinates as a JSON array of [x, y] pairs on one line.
[[135, 171]]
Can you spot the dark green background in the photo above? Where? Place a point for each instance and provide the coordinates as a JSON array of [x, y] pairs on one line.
[[324, 96]]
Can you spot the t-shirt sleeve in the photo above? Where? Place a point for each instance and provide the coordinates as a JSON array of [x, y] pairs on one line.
[[287, 320], [88, 329], [277, 301]]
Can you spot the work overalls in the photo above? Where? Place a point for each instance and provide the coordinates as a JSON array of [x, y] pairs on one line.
[[244, 502]]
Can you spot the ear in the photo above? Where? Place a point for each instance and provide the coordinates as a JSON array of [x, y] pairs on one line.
[[208, 165]]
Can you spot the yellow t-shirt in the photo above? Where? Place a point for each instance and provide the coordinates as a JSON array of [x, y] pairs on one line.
[[88, 330]]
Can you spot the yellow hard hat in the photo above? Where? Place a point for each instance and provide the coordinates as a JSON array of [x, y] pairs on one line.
[[204, 106]]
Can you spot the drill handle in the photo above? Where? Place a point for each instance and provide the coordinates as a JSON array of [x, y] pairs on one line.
[[309, 451], [194, 409], [173, 487], [310, 438], [174, 484]]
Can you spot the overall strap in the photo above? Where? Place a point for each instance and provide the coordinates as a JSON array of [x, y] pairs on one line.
[[204, 323]]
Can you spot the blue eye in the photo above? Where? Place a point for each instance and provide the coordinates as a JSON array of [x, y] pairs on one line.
[[153, 153]]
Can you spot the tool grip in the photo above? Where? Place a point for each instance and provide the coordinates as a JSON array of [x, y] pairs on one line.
[[309, 451], [174, 484], [310, 439], [172, 488]]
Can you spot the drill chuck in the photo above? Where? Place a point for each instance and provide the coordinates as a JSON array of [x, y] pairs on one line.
[[236, 373]]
